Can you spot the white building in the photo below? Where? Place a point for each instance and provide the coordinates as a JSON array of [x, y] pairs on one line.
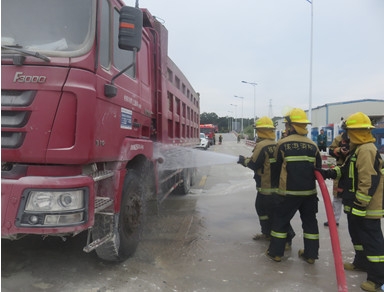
[[328, 116], [332, 113]]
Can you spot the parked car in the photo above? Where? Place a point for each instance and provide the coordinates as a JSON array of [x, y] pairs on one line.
[[204, 143]]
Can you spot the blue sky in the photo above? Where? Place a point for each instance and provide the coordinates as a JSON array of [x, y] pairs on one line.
[[217, 44]]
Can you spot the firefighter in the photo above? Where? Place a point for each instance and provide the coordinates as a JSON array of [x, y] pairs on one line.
[[296, 156], [322, 141], [339, 149], [261, 162], [362, 179], [220, 139]]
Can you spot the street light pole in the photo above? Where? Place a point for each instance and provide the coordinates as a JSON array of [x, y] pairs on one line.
[[310, 75], [242, 99], [254, 104], [230, 122], [235, 105]]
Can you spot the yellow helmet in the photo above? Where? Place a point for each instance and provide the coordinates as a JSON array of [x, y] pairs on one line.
[[264, 122], [359, 120], [296, 115]]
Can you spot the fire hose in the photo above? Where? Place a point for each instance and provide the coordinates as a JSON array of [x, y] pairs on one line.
[[339, 267]]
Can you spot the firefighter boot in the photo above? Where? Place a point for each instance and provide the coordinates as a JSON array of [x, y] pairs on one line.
[[370, 286], [352, 267], [261, 236], [308, 260], [274, 258]]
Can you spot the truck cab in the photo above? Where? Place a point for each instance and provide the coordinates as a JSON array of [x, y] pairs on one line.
[[85, 97]]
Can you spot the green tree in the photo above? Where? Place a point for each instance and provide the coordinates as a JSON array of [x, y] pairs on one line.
[[209, 118], [223, 124]]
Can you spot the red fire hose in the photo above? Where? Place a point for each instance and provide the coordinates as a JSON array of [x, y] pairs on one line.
[[339, 267]]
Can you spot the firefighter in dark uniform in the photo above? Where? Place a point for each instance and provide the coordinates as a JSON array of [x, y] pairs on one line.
[[296, 157], [339, 149], [262, 163], [362, 179]]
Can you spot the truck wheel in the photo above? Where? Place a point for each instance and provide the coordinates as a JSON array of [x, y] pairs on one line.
[[126, 224], [185, 186]]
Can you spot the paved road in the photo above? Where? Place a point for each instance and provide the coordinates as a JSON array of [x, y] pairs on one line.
[[199, 242]]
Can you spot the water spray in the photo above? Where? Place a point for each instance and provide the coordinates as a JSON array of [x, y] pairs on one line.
[[176, 157]]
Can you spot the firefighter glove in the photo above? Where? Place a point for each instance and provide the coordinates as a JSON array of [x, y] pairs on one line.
[[327, 173], [241, 160]]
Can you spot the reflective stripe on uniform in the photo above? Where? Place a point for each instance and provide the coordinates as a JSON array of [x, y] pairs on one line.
[[298, 193], [264, 217], [358, 247], [300, 158], [338, 172], [363, 198], [311, 236], [279, 234], [376, 259], [351, 172], [267, 191], [358, 212], [375, 213]]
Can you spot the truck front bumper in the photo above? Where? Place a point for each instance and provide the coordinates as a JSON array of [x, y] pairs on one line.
[[46, 205]]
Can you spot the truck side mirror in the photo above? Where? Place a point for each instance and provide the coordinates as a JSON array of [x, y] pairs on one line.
[[130, 28], [130, 34]]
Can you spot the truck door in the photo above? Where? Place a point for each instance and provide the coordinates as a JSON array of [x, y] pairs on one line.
[[126, 114]]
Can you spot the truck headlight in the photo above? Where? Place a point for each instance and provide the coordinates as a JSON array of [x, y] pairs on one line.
[[53, 207], [42, 201]]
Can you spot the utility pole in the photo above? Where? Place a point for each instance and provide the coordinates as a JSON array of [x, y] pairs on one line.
[[235, 105], [310, 73], [242, 98], [254, 104], [270, 112]]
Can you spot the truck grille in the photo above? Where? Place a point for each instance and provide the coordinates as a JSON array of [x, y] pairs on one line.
[[14, 116]]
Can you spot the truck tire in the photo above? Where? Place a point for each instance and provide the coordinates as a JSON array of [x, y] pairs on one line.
[[184, 187], [126, 224]]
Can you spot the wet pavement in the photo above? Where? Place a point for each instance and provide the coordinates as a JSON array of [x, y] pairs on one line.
[[199, 242]]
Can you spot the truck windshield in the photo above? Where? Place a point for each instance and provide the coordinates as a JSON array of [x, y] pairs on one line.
[[54, 27], [206, 130]]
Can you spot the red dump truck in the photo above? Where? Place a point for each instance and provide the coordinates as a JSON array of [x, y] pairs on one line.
[[209, 130], [90, 104]]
